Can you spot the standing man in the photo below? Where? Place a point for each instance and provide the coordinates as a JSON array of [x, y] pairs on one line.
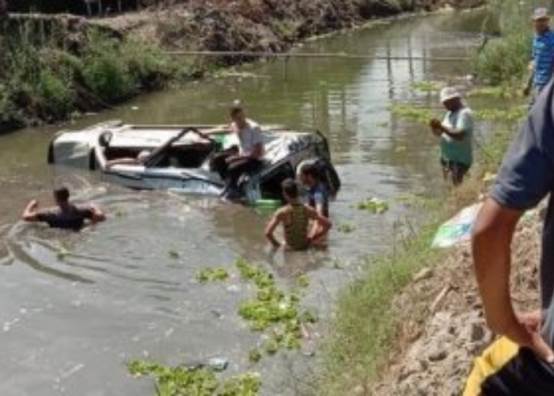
[[66, 215], [520, 363], [542, 63], [244, 158], [456, 136]]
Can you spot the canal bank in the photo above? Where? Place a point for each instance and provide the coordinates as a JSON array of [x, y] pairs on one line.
[[413, 324], [77, 308], [57, 68]]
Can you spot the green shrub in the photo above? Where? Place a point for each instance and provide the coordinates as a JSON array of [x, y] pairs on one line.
[[105, 71], [504, 60], [55, 94], [147, 64]]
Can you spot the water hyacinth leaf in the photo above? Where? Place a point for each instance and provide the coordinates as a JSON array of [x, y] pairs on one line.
[[374, 205], [427, 86], [303, 281], [271, 310], [180, 381], [254, 356], [411, 113], [212, 275], [346, 228]]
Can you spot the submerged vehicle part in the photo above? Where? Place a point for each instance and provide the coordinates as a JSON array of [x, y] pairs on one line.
[[178, 157]]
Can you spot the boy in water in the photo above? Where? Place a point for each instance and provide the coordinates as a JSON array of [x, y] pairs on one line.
[[318, 195], [66, 215], [295, 217]]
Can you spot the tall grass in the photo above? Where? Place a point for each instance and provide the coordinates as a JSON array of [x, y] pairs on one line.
[[364, 327], [42, 80], [504, 60]]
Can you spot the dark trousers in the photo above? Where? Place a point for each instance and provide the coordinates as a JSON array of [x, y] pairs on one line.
[[231, 172]]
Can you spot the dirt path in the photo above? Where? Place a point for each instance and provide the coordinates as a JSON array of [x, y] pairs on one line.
[[444, 329], [443, 326]]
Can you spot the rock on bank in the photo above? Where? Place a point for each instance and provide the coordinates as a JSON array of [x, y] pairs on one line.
[[443, 328]]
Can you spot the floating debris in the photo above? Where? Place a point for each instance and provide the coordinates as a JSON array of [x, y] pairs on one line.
[[374, 205], [212, 275], [346, 228], [218, 364], [174, 254]]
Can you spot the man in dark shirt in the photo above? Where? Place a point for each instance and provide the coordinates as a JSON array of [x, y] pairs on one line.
[[525, 179], [66, 215]]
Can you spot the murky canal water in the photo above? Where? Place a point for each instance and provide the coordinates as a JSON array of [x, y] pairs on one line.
[[68, 324]]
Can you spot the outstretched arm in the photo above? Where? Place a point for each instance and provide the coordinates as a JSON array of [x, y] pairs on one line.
[[30, 213], [270, 229], [492, 238]]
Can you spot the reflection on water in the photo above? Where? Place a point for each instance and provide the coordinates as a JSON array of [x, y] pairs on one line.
[[75, 307]]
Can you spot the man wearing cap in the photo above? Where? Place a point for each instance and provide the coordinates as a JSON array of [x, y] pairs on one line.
[[244, 158], [456, 135], [542, 64]]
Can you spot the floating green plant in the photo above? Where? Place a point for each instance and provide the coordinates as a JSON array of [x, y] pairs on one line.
[[272, 310], [212, 275], [254, 356], [427, 86], [346, 228], [417, 114], [181, 381], [303, 281], [374, 205], [174, 254]]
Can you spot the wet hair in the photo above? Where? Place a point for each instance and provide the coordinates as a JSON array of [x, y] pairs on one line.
[[310, 170], [236, 108], [61, 194], [290, 188]]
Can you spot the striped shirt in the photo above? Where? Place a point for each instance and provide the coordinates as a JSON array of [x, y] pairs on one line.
[[543, 58]]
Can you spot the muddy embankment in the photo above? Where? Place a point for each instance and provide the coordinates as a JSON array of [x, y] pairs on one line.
[[260, 25], [443, 325], [56, 67]]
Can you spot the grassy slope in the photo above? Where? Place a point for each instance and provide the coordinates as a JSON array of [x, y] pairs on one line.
[[364, 330]]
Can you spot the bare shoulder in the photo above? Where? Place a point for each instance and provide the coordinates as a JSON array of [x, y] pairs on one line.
[[311, 211], [283, 211]]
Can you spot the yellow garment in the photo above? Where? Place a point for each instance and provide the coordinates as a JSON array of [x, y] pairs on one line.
[[490, 362]]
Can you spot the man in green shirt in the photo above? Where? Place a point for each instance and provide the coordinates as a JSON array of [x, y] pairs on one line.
[[456, 136]]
